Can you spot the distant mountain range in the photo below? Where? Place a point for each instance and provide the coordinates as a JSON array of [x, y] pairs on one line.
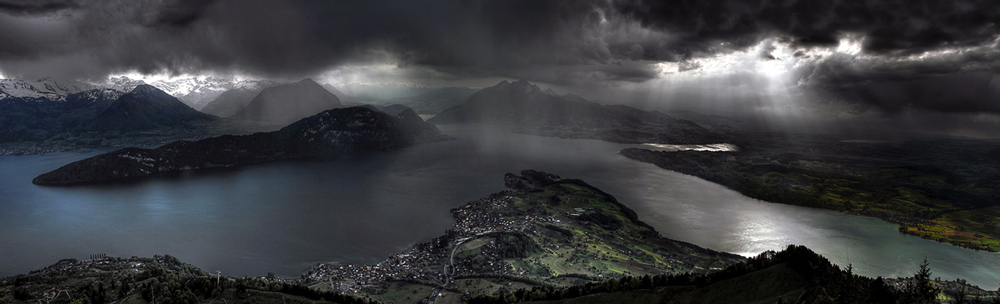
[[332, 132], [42, 88], [195, 92], [49, 115], [101, 117], [523, 107], [38, 118]]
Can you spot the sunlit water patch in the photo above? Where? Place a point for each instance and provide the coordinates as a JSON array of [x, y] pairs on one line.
[[723, 147]]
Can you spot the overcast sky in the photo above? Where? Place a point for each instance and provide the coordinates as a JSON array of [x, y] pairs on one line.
[[905, 64]]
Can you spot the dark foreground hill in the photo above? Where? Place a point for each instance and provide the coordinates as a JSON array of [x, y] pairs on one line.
[[332, 132], [157, 280], [544, 232], [795, 275], [523, 107]]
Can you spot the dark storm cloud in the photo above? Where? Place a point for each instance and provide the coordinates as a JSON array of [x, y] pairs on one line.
[[182, 13], [891, 26], [952, 93], [938, 56], [26, 38], [519, 38], [301, 38], [35, 7], [560, 41], [954, 81]]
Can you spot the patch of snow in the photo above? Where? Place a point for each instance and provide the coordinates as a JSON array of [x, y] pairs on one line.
[[42, 88]]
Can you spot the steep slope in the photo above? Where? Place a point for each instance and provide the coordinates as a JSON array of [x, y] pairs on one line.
[[78, 110], [35, 119], [285, 104], [146, 107], [229, 103], [523, 107], [331, 132], [344, 98], [395, 109]]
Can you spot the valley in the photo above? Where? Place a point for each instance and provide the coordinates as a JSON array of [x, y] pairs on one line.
[[544, 239], [499, 151]]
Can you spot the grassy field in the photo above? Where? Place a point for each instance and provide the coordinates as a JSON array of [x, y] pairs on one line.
[[975, 228]]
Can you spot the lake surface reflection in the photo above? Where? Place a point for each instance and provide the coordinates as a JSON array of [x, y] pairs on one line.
[[283, 217]]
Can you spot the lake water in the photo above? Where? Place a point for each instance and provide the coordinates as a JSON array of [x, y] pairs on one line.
[[283, 217]]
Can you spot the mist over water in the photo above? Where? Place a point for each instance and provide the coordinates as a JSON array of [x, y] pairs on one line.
[[283, 217]]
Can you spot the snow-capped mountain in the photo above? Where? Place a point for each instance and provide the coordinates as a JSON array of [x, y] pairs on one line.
[[256, 84], [91, 96], [45, 87], [196, 92], [120, 83], [146, 107]]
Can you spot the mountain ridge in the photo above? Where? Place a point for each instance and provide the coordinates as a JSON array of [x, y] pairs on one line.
[[285, 104], [146, 107], [332, 132], [232, 101], [525, 108]]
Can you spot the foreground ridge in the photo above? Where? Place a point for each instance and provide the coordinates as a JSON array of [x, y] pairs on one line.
[[543, 232]]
